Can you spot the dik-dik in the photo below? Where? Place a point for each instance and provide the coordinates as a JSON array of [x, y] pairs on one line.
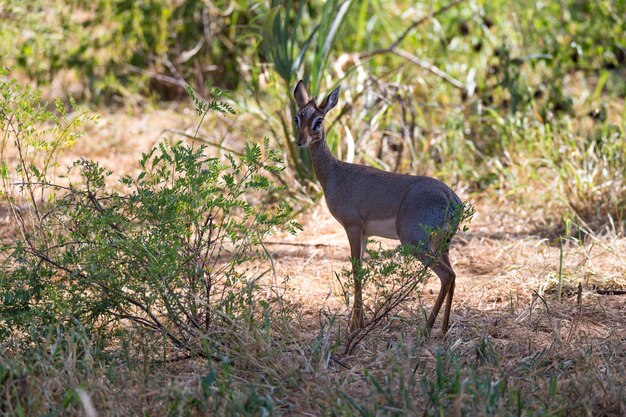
[[371, 202]]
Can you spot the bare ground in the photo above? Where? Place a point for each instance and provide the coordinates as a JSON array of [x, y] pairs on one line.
[[503, 271], [505, 315]]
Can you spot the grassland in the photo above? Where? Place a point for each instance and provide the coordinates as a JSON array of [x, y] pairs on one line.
[[533, 136]]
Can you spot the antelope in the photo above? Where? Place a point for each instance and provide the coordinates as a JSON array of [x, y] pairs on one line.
[[371, 202]]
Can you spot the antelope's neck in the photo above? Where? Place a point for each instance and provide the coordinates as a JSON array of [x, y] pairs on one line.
[[324, 161]]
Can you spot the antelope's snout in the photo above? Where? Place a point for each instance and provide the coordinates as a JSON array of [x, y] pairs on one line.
[[303, 139]]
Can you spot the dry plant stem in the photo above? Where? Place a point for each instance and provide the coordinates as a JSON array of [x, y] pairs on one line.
[[429, 67], [609, 292], [197, 137], [424, 19], [208, 279], [578, 316], [548, 314], [410, 29], [305, 245], [392, 301], [161, 77]]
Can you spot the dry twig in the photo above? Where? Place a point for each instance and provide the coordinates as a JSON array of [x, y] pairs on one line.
[[393, 48]]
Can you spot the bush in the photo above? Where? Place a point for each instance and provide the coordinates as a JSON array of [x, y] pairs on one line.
[[173, 252]]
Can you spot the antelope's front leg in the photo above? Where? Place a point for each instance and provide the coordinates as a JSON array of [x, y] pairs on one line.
[[355, 237]]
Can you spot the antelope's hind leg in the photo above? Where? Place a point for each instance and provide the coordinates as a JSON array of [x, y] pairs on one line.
[[446, 275], [418, 226]]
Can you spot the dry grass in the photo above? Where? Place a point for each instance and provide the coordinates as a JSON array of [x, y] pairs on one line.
[[514, 347], [506, 320]]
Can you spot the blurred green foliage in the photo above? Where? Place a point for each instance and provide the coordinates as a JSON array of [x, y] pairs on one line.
[[481, 78], [118, 46], [122, 47]]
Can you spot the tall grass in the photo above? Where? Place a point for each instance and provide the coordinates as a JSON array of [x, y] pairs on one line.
[[287, 50]]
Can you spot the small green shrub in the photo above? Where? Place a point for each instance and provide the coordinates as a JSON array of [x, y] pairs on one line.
[[173, 249], [170, 254]]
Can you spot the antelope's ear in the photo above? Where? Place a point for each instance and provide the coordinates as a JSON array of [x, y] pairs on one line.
[[300, 94], [330, 101]]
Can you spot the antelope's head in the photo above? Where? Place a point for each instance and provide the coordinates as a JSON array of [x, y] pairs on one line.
[[310, 116]]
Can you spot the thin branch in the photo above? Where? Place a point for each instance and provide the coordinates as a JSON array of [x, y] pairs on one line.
[[312, 245], [172, 360], [22, 161], [135, 319], [393, 48], [429, 67], [394, 44], [108, 290], [172, 68], [338, 362], [187, 55], [608, 292], [157, 76], [425, 19], [392, 301], [45, 184], [203, 139]]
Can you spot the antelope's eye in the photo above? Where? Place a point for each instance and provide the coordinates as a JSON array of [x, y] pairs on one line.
[[317, 124], [297, 121]]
